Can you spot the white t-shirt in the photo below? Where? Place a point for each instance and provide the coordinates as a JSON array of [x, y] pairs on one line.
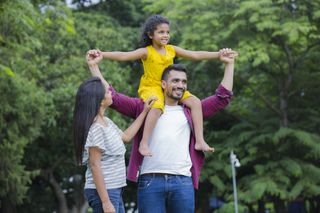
[[108, 140], [169, 144]]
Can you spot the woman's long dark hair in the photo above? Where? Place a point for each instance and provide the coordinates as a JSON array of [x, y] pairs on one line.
[[149, 27], [88, 99]]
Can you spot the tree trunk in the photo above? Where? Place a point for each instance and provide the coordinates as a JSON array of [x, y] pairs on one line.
[[261, 206], [285, 86], [283, 109], [62, 201], [251, 209], [6, 206], [279, 205], [314, 205], [83, 208], [202, 197]]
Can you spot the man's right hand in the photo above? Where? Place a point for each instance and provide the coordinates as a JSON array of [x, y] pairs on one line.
[[227, 52], [227, 55], [93, 57]]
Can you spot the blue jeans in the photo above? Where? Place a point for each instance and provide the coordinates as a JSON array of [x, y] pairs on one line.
[[165, 194], [115, 196]]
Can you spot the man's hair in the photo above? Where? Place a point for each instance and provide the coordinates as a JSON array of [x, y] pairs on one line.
[[175, 67]]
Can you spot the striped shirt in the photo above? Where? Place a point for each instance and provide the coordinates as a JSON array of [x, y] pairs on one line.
[[132, 107], [108, 140]]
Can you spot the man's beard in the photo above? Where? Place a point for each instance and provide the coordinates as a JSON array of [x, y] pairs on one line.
[[177, 98]]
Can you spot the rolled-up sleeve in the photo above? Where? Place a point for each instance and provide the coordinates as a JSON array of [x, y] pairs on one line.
[[215, 103], [125, 105]]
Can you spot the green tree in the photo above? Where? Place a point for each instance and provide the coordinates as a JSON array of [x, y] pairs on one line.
[[45, 45], [273, 121], [22, 105]]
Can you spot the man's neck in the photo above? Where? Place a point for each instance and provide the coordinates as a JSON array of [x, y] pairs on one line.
[[170, 102]]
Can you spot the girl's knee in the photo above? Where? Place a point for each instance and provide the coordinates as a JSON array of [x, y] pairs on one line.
[[191, 101], [156, 111]]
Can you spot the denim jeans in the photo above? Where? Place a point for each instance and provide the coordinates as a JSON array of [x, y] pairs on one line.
[[165, 194], [115, 196]]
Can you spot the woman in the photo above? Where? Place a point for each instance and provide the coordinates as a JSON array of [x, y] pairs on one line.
[[99, 144]]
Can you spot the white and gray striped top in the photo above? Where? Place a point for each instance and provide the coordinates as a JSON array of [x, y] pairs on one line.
[[108, 140]]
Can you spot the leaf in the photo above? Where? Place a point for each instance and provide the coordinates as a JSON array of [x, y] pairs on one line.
[[7, 70]]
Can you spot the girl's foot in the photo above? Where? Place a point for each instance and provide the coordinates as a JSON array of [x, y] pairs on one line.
[[203, 146], [144, 149]]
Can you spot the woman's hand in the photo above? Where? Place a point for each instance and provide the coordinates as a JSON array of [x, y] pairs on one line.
[[93, 57], [149, 102], [108, 207]]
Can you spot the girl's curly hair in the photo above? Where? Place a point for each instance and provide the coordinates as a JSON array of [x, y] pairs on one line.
[[149, 27]]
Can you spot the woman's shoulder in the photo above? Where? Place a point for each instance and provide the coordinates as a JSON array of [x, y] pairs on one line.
[[96, 128], [110, 123]]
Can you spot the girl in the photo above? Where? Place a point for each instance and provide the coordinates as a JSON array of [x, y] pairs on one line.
[[156, 54], [99, 144]]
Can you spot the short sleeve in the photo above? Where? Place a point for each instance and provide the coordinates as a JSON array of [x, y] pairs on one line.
[[96, 137]]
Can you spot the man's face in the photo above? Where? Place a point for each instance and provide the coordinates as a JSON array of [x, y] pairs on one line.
[[176, 84]]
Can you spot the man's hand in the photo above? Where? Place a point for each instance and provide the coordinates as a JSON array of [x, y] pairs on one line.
[[227, 55], [93, 57], [227, 52]]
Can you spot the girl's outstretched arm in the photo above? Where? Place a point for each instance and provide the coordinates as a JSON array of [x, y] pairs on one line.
[[140, 53], [195, 55]]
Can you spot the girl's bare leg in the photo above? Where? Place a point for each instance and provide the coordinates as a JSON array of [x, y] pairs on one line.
[[196, 112], [149, 125]]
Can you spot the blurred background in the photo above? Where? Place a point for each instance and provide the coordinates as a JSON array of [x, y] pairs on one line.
[[272, 124]]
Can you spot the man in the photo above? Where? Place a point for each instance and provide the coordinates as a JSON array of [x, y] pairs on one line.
[[168, 178]]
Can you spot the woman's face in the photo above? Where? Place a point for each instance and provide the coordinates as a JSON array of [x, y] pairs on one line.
[[107, 101]]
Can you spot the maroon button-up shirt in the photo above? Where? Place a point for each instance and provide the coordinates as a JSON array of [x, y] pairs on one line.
[[132, 107]]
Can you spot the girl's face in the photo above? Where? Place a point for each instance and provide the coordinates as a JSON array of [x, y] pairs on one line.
[[107, 101], [161, 35]]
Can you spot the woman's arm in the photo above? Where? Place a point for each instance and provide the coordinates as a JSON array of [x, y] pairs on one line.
[[93, 58], [127, 106], [132, 130], [140, 53], [95, 164]]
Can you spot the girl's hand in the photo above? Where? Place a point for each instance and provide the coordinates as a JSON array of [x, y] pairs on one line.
[[227, 55], [93, 57], [149, 102], [227, 52], [108, 207]]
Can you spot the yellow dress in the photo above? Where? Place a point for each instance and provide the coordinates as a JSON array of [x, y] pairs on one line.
[[150, 82]]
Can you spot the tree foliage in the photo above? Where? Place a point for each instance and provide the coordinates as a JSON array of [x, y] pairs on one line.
[[273, 120], [272, 124]]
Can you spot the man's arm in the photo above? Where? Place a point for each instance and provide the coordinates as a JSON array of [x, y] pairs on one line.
[[221, 98], [227, 81]]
